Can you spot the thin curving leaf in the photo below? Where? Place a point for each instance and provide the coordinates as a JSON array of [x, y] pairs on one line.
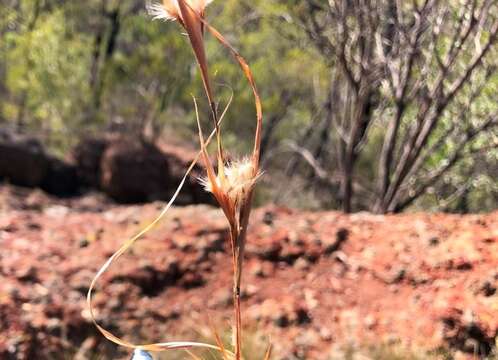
[[195, 357], [193, 25], [268, 352], [219, 342], [205, 157], [161, 346], [250, 78]]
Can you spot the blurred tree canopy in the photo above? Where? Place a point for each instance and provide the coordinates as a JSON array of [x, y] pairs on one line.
[[369, 105]]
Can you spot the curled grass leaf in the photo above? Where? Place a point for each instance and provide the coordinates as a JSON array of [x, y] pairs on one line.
[[160, 346]]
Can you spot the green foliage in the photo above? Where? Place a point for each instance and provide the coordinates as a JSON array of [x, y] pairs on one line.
[[45, 75], [68, 68]]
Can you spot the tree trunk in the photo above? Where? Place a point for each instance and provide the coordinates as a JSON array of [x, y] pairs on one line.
[[347, 186], [101, 57]]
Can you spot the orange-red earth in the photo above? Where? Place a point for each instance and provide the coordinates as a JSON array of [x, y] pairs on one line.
[[313, 281]]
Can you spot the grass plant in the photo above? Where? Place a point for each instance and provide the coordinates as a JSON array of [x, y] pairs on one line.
[[231, 183]]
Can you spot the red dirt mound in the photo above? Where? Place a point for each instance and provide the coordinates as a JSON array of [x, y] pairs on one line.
[[313, 281]]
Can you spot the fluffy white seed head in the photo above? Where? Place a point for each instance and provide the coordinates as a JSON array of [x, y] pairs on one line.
[[237, 182], [170, 10], [163, 12]]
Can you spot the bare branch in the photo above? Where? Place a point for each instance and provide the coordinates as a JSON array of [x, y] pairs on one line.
[[452, 160], [477, 59]]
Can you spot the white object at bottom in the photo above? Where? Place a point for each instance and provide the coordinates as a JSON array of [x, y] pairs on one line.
[[141, 355]]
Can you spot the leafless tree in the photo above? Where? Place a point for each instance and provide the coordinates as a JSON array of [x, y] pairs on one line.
[[3, 60], [107, 30], [401, 68]]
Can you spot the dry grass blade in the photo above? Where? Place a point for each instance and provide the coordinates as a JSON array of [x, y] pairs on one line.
[[162, 346], [257, 100], [193, 26], [195, 357], [195, 30], [219, 342], [268, 352], [205, 157], [249, 76]]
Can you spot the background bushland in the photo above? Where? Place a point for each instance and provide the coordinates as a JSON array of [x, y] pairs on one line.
[[369, 105]]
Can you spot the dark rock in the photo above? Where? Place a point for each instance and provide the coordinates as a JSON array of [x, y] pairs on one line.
[[33, 226], [290, 317], [290, 254], [61, 178], [281, 320], [463, 265], [87, 156], [84, 243], [268, 218], [340, 237], [434, 241], [396, 276], [22, 159], [487, 288], [134, 171], [302, 316], [469, 337], [28, 274], [270, 252], [151, 280], [179, 159]]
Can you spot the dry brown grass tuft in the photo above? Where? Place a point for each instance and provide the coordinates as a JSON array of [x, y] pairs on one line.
[[232, 185]]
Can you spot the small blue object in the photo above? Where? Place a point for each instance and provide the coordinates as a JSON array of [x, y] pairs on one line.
[[139, 354]]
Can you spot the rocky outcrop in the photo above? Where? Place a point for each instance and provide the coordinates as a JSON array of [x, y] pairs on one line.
[[126, 169], [24, 162], [22, 159], [87, 155], [61, 178], [134, 171], [180, 158], [101, 164]]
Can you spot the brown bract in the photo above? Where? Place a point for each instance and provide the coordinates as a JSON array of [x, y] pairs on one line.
[[189, 14]]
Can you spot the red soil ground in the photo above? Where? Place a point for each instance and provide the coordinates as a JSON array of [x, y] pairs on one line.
[[314, 281]]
